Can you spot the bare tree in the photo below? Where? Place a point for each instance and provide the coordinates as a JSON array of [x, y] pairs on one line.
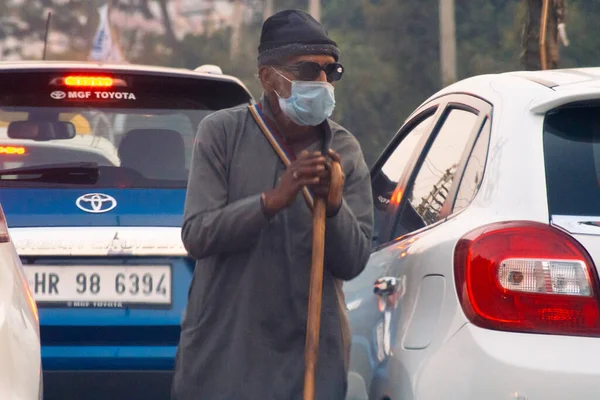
[[172, 41], [541, 51]]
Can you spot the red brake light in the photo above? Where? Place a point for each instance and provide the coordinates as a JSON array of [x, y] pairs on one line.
[[527, 277], [96, 81], [4, 237], [12, 150]]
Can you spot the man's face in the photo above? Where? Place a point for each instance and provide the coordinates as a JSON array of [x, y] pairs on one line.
[[273, 80]]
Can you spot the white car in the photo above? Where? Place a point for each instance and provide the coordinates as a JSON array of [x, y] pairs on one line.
[[20, 358], [483, 281]]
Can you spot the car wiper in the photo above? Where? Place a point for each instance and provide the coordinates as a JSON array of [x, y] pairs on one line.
[[76, 173]]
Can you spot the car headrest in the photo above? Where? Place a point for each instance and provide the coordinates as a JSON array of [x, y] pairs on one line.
[[155, 153]]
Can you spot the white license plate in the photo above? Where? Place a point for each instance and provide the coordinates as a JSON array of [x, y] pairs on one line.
[[100, 286]]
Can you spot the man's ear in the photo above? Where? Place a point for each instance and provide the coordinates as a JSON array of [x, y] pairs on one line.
[[265, 75]]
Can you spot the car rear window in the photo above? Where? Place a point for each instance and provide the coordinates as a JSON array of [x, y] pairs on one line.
[[133, 129], [572, 157]]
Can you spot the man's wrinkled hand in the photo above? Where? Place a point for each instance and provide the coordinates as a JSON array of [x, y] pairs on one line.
[[323, 188]]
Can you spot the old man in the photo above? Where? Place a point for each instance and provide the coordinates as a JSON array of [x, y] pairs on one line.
[[248, 223]]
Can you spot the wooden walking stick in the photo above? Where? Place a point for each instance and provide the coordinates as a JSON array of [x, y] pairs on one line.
[[316, 278]]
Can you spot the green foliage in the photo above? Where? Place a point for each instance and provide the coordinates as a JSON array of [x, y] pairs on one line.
[[582, 28], [392, 67], [492, 43]]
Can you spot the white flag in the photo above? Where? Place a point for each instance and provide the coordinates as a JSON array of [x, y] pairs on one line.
[[103, 47]]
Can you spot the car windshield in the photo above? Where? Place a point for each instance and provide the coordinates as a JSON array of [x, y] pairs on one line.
[[572, 156], [139, 135]]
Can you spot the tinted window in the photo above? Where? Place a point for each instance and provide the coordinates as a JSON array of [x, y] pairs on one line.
[[572, 158], [139, 132], [387, 179], [425, 199], [472, 177]]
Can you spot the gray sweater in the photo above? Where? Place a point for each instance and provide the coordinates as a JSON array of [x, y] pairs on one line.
[[243, 332]]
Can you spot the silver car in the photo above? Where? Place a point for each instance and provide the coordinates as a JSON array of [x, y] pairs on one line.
[[483, 281]]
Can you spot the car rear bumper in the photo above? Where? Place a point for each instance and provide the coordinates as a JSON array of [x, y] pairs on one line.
[[126, 358], [102, 385], [108, 372], [483, 364]]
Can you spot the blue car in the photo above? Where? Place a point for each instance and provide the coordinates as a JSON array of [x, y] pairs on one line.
[[94, 163]]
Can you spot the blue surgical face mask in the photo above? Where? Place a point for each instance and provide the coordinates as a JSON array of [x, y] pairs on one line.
[[310, 103]]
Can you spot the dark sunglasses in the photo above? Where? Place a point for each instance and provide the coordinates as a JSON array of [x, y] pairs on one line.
[[310, 70]]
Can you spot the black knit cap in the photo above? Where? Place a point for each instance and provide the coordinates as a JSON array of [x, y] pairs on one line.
[[291, 33]]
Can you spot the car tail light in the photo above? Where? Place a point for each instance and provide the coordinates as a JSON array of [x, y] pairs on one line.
[[527, 277], [4, 237]]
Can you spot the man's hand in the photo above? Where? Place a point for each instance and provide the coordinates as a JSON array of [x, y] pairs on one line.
[[307, 170], [322, 188]]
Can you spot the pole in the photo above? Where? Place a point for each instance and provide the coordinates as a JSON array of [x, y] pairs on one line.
[[543, 26], [46, 35], [447, 42], [236, 30], [268, 10], [314, 9]]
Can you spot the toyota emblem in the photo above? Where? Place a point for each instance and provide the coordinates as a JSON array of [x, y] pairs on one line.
[[58, 95], [96, 203]]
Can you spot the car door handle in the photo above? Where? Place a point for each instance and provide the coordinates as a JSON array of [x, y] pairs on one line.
[[386, 286]]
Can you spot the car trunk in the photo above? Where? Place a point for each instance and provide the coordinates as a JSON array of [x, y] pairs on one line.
[[100, 238], [72, 258], [572, 160]]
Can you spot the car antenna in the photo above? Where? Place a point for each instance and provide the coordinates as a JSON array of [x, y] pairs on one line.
[[46, 36]]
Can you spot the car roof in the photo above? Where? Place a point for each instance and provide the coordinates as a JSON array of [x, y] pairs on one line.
[[8, 66], [564, 86], [539, 91], [561, 78]]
